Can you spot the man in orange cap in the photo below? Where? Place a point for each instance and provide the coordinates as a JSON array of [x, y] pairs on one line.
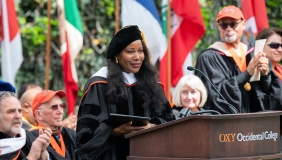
[[26, 96], [48, 110], [230, 65]]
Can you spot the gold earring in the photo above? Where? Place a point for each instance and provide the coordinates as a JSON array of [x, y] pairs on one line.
[[116, 60]]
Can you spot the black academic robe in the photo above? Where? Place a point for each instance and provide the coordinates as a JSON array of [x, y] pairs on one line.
[[26, 125], [223, 72], [94, 140], [23, 152], [69, 140]]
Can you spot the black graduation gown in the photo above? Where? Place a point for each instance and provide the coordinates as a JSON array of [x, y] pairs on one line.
[[69, 140], [25, 125], [223, 72], [93, 139]]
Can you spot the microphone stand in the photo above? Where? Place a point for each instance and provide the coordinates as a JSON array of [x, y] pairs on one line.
[[223, 100]]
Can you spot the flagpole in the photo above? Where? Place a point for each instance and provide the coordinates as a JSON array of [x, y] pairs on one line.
[[117, 13], [168, 51], [47, 59]]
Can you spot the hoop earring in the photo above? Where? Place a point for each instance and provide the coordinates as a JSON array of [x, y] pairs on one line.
[[116, 60]]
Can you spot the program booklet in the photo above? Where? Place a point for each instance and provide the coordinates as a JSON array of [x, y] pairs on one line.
[[119, 119]]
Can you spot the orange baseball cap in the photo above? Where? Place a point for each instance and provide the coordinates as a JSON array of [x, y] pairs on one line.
[[231, 12], [45, 96]]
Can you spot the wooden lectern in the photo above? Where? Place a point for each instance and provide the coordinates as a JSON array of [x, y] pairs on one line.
[[249, 136]]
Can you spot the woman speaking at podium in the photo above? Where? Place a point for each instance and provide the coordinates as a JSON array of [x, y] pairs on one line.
[[128, 85]]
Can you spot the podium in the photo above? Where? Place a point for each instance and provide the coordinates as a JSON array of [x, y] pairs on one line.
[[249, 136]]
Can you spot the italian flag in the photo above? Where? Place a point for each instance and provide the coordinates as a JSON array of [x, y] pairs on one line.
[[11, 43], [71, 43], [163, 57], [186, 28]]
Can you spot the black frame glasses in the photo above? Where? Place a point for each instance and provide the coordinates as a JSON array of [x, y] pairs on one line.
[[56, 106], [233, 25], [274, 45]]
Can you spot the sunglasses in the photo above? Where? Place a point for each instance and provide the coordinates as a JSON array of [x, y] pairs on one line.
[[56, 106], [233, 25], [274, 45]]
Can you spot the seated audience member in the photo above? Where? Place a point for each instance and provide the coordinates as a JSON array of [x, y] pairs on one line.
[[26, 100], [48, 110], [15, 142], [26, 87], [190, 93], [69, 122], [273, 48]]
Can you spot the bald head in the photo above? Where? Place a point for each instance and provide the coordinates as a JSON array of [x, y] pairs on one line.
[[26, 102], [29, 95], [26, 87]]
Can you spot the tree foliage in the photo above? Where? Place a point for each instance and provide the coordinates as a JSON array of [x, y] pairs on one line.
[[98, 18]]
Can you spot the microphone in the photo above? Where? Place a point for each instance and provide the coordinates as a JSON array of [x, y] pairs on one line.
[[205, 111], [184, 112], [223, 100]]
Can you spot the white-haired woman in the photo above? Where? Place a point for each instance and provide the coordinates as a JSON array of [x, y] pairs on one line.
[[190, 93]]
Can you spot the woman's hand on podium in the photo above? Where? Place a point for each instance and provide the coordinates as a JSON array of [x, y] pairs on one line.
[[126, 128], [150, 125]]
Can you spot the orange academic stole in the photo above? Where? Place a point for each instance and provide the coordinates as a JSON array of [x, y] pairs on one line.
[[278, 71], [17, 155], [240, 62], [61, 150]]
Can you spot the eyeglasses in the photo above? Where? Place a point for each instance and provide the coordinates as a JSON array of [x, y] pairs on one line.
[[29, 105], [233, 25], [274, 45], [56, 106]]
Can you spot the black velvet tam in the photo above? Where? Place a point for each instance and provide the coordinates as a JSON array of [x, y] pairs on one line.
[[123, 38]]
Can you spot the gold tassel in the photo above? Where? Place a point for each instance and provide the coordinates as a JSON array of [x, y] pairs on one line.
[[144, 40], [247, 86]]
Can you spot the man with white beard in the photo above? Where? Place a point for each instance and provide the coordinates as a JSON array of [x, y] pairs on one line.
[[15, 142], [230, 65]]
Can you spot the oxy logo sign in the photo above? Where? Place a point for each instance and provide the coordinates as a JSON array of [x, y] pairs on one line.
[[257, 137], [241, 137], [227, 137]]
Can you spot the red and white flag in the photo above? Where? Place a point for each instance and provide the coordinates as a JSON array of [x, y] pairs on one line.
[[187, 27], [11, 43], [71, 43], [255, 14]]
